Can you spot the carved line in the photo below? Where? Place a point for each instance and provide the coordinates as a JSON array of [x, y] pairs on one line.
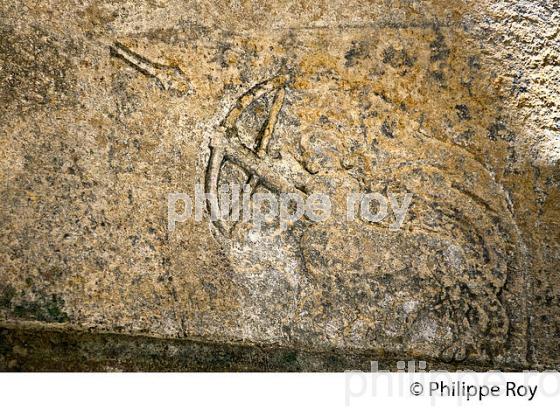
[[168, 77], [230, 148]]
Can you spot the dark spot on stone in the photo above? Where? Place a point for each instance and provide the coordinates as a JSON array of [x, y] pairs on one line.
[[350, 56], [485, 254], [43, 310], [290, 357], [463, 112], [387, 130], [465, 136], [472, 316], [438, 76], [519, 85], [439, 50], [220, 56], [332, 361], [356, 52], [210, 289], [397, 58], [495, 130], [6, 295], [388, 54], [473, 62]]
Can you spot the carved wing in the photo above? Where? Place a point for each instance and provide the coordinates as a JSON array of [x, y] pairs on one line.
[[226, 146]]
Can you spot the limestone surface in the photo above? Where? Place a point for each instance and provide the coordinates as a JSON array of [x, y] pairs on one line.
[[109, 107]]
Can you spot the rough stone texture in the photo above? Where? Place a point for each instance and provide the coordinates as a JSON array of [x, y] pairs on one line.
[[107, 107]]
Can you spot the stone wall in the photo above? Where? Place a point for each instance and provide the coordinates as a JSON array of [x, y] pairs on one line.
[[108, 107]]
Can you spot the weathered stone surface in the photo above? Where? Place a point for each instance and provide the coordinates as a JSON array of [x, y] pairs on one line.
[[108, 107]]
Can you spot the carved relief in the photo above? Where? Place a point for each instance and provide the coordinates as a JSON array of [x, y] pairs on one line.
[[448, 266], [444, 282]]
